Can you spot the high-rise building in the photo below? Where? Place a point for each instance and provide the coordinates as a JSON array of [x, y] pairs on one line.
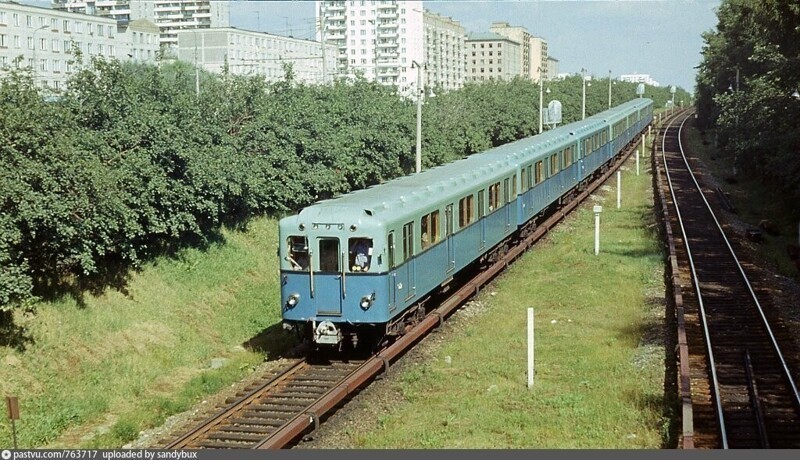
[[445, 48], [492, 57], [378, 39], [119, 11], [169, 15], [533, 50]]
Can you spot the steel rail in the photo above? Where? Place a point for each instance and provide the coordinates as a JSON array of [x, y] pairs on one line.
[[765, 322], [211, 422], [696, 283]]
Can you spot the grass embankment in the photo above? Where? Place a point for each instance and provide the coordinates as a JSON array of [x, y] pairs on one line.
[[754, 201], [97, 373], [599, 347]]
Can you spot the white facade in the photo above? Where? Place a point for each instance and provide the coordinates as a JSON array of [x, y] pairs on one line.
[[139, 41], [169, 15], [445, 52], [379, 39], [639, 78], [254, 53], [46, 38]]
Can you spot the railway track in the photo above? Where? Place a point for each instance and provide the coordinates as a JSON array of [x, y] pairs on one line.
[[737, 387], [279, 409]]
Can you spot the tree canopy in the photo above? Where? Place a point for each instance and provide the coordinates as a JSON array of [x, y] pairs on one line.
[[746, 85]]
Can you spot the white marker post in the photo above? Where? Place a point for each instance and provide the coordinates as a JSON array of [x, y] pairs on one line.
[[637, 159], [644, 142], [597, 211], [619, 189], [530, 347]]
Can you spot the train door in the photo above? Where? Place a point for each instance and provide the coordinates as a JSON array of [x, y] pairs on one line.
[[481, 215], [508, 210], [409, 286], [392, 272], [330, 280], [448, 237], [527, 178]]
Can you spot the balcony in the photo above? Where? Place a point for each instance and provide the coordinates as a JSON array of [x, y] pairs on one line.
[[387, 34]]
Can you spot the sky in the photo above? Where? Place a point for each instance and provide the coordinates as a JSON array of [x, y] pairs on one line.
[[657, 37]]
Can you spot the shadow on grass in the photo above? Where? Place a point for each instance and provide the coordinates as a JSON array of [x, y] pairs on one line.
[[114, 271], [274, 342], [12, 335]]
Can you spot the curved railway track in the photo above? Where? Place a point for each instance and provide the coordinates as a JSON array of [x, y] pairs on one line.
[[279, 409], [738, 388]]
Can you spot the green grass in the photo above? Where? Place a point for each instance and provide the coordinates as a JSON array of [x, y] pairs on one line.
[[97, 374], [599, 356], [754, 201]]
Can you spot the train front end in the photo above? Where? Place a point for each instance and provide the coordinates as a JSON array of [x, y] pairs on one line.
[[333, 276]]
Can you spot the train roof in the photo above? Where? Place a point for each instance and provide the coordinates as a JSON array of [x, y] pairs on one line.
[[416, 193]]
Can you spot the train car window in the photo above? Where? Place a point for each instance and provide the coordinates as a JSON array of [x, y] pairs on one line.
[[539, 173], [360, 255], [466, 213], [408, 240], [553, 164], [494, 196], [448, 220], [530, 177], [390, 243], [567, 157], [328, 255], [524, 179], [514, 187], [297, 252], [429, 228], [481, 203], [586, 149], [506, 189]]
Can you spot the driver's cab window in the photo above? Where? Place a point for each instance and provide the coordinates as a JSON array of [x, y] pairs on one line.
[[297, 253], [360, 254]]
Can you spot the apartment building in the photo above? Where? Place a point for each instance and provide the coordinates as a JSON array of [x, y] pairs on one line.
[[46, 40], [445, 52], [532, 52], [254, 53], [378, 39], [492, 57], [139, 41], [169, 15]]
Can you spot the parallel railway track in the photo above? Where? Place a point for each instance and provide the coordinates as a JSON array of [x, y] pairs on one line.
[[281, 408], [738, 388]]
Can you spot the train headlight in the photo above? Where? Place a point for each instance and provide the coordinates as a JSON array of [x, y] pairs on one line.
[[292, 300], [367, 300]]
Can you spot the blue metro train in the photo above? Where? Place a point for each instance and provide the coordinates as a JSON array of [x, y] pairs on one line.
[[357, 267]]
